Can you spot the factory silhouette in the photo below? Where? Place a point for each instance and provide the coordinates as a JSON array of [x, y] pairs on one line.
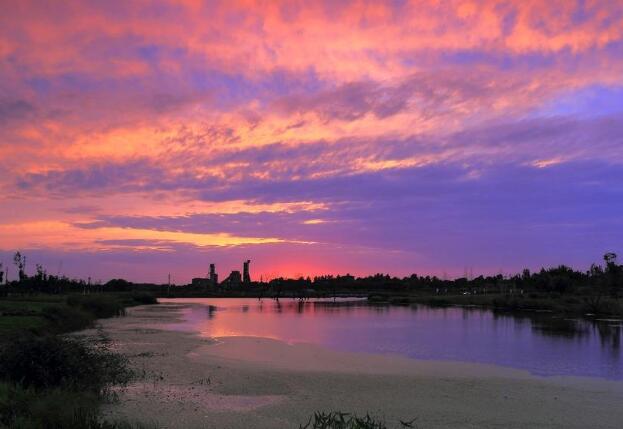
[[235, 279]]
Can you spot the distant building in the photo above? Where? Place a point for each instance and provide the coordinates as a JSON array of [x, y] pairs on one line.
[[213, 276], [246, 277], [233, 280], [207, 282], [201, 282]]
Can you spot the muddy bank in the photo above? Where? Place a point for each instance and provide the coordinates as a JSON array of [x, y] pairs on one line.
[[240, 382]]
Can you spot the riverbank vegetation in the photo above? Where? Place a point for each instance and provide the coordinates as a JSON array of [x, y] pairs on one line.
[[596, 291], [578, 305], [341, 420], [52, 380], [49, 379], [45, 314]]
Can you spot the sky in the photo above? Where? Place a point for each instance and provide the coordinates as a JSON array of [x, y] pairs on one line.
[[139, 139]]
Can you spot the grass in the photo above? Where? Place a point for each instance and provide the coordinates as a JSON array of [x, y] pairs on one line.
[[53, 314], [28, 408], [100, 306], [571, 305], [340, 420], [52, 381], [53, 361], [9, 324], [57, 382]]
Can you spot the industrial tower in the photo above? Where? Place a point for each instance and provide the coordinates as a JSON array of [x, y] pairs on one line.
[[246, 277]]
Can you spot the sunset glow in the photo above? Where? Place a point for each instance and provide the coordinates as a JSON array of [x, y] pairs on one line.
[[139, 139]]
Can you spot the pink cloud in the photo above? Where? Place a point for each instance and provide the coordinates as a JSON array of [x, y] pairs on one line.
[[215, 107]]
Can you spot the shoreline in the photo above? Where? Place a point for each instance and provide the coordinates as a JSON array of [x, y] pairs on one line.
[[190, 381], [511, 304]]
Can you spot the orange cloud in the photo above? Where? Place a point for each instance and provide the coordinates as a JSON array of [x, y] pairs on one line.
[[173, 108], [60, 235], [344, 41]]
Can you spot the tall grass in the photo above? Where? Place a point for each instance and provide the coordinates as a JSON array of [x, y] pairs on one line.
[[29, 408], [55, 382], [52, 381], [60, 362], [340, 420], [99, 305], [65, 318]]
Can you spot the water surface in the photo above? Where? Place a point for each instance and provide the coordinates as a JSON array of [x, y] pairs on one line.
[[538, 342]]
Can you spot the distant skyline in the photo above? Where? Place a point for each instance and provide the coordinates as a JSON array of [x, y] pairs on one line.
[[139, 139]]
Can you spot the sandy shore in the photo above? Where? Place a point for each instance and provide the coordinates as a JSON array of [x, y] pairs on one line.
[[240, 382]]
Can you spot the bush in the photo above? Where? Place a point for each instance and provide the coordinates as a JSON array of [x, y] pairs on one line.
[[143, 298], [603, 307], [437, 302], [54, 408], [378, 299], [51, 409], [53, 361], [101, 306], [400, 300], [65, 318], [339, 420], [56, 382]]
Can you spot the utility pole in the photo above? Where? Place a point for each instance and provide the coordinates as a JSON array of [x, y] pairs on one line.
[[169, 286]]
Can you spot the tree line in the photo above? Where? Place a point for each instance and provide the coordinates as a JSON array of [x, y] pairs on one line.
[[599, 280]]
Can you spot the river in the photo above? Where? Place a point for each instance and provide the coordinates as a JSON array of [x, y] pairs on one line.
[[541, 343]]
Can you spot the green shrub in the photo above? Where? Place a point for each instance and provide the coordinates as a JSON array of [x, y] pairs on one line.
[[339, 420], [377, 298], [56, 382], [101, 306], [143, 298], [63, 318], [54, 408], [400, 300], [603, 307], [437, 302], [22, 408], [54, 361], [507, 303]]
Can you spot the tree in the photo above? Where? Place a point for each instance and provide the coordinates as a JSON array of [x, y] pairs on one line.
[[525, 274], [595, 271], [42, 275], [613, 274], [611, 260], [20, 263]]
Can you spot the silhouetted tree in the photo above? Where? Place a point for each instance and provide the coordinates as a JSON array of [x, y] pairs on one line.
[[613, 274], [525, 275], [611, 259], [40, 272], [20, 263]]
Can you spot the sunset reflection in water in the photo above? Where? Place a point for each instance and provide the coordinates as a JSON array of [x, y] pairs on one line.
[[541, 343]]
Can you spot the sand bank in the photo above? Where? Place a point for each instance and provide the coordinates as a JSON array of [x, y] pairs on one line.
[[242, 382]]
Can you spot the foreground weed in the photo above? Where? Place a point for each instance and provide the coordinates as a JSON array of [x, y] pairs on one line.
[[340, 420]]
